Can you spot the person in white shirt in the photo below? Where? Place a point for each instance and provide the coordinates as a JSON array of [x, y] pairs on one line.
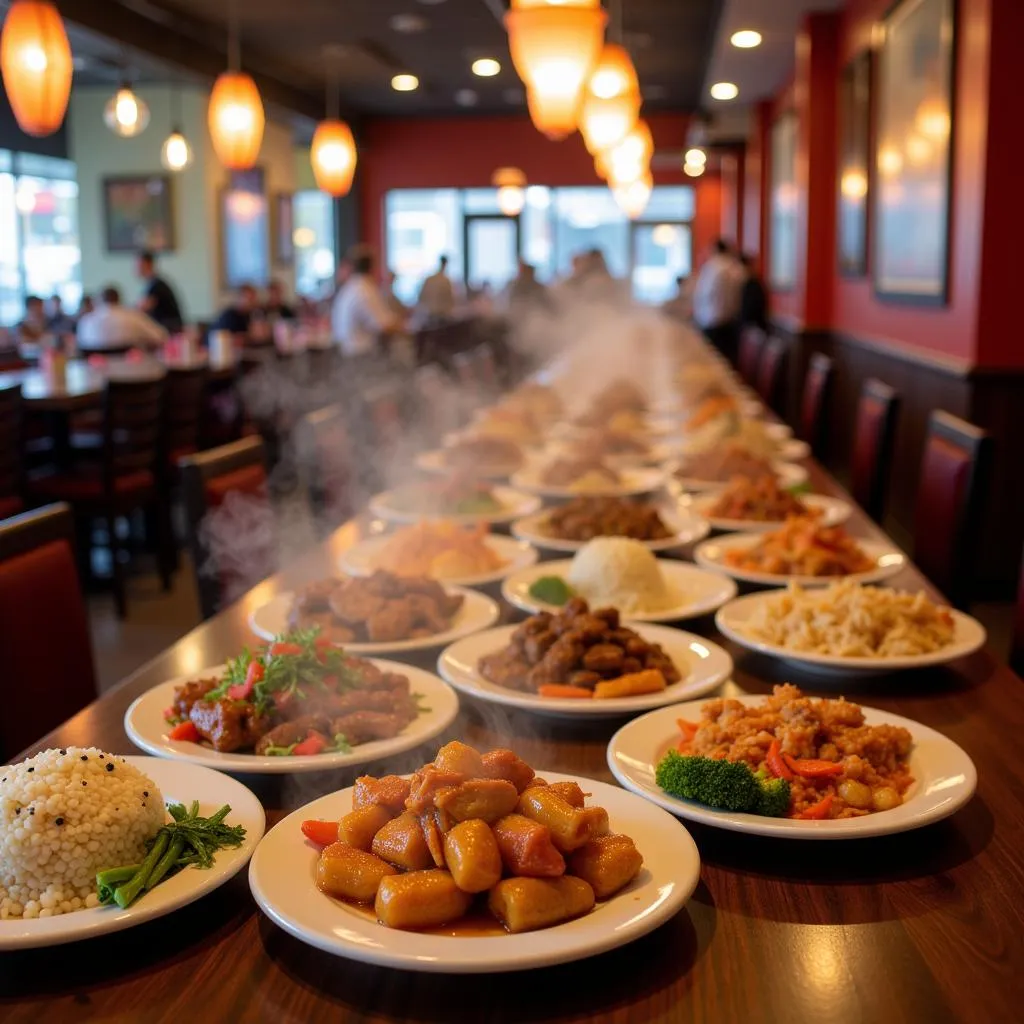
[[716, 298], [437, 296], [111, 325], [359, 314]]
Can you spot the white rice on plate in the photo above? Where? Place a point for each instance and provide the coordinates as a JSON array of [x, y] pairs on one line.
[[65, 815], [620, 573]]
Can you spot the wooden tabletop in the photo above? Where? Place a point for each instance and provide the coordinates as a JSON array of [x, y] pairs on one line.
[[926, 926]]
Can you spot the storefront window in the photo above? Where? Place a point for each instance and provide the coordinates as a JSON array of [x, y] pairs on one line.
[[314, 240], [422, 226]]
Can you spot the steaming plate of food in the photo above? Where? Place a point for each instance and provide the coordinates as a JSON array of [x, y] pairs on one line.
[[378, 614], [711, 471], [850, 629], [291, 706], [801, 551], [761, 504], [486, 457], [620, 573], [792, 767], [458, 498], [568, 527], [579, 663], [93, 843], [567, 478], [474, 864], [442, 550]]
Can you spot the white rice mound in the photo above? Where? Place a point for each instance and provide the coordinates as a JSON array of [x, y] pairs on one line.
[[64, 815], [621, 573]]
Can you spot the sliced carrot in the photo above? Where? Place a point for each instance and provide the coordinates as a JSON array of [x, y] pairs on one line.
[[323, 833], [558, 690], [812, 768], [817, 811], [688, 729], [775, 763]]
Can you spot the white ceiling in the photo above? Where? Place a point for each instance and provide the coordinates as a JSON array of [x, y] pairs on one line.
[[758, 72]]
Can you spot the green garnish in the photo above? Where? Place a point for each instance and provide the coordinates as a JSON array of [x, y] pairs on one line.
[[551, 590], [801, 488], [273, 751], [339, 746], [726, 785]]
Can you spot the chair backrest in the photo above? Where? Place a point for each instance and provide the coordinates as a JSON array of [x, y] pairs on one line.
[[230, 520], [817, 388], [46, 678], [11, 458], [1017, 639], [770, 372], [751, 343], [874, 438], [132, 415], [947, 510], [184, 396], [325, 457]]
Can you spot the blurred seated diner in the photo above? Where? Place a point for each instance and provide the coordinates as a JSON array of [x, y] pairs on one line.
[[436, 301], [237, 316], [58, 321], [32, 329], [359, 315], [158, 299], [275, 307], [112, 326]]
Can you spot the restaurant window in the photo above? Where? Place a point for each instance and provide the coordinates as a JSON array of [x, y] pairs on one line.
[[422, 225], [315, 242]]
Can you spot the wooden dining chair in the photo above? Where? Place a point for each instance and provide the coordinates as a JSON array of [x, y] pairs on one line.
[[752, 342], [951, 489], [324, 451], [48, 669], [12, 457], [771, 373], [122, 477], [230, 521], [814, 402], [874, 439]]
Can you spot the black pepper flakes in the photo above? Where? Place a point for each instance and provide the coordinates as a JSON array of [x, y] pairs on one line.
[[145, 792], [31, 769], [17, 810], [58, 821], [85, 757], [101, 757], [110, 768], [63, 752], [84, 783]]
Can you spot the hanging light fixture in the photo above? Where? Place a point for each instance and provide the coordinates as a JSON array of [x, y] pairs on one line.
[[511, 185], [554, 45], [333, 153], [611, 102], [176, 153], [35, 59], [235, 115], [628, 160], [126, 114], [633, 198]]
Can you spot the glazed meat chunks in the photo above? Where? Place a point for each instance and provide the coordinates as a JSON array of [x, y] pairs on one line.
[[587, 518], [229, 725]]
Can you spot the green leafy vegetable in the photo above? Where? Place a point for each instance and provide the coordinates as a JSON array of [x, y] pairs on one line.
[[801, 488], [551, 590], [726, 785]]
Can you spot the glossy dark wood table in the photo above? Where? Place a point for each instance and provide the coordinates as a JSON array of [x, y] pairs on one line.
[[926, 926]]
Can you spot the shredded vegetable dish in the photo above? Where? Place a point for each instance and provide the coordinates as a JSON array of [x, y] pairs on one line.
[[802, 547]]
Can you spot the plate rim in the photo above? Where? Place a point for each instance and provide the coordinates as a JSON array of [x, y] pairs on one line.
[[826, 501], [678, 540], [430, 462], [390, 514], [657, 475], [797, 476]]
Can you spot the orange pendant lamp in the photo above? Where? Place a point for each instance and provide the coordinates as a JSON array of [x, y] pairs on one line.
[[633, 198], [236, 120], [611, 100], [511, 185], [333, 154], [554, 45], [35, 59], [627, 161]]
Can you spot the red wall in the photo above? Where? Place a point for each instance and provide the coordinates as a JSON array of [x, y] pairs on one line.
[[755, 183], [464, 152]]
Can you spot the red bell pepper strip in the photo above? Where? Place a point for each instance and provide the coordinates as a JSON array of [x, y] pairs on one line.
[[185, 731], [253, 674], [170, 714], [312, 744], [817, 811], [280, 648], [811, 768], [323, 833], [775, 764]]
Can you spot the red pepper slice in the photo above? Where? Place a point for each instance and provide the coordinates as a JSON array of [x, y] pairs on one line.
[[817, 811], [253, 674], [312, 744], [276, 650], [775, 764], [811, 768], [185, 731], [323, 833]]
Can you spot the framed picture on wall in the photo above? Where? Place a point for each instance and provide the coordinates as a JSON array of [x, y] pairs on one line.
[[245, 230], [913, 153], [783, 205], [137, 213], [854, 166], [284, 229]]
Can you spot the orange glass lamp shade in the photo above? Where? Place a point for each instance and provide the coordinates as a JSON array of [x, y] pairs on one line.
[[611, 100], [333, 155], [633, 198], [236, 120], [554, 47], [628, 160], [35, 59], [511, 185]]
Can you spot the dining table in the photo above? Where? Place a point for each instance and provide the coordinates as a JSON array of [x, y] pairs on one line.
[[921, 926]]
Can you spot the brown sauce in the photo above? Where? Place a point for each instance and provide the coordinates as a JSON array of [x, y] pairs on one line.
[[478, 923]]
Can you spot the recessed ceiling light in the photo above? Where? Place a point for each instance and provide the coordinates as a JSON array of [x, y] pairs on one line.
[[405, 83], [694, 170], [695, 156], [408, 24], [466, 98], [486, 67], [745, 39], [724, 91]]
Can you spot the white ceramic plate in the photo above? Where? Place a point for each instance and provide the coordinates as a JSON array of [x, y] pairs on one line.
[[704, 666], [710, 554], [789, 474], [515, 504], [686, 529], [477, 612], [945, 779], [634, 480], [145, 725], [359, 560], [833, 513], [179, 783], [282, 872], [968, 636], [435, 462], [697, 591], [793, 450]]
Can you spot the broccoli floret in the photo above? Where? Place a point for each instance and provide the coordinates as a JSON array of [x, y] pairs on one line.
[[773, 800], [727, 785]]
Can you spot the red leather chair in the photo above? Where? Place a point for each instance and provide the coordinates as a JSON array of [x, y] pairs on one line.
[[325, 456], [230, 521], [752, 342], [771, 373], [11, 455], [817, 390], [44, 629], [947, 511], [873, 441]]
